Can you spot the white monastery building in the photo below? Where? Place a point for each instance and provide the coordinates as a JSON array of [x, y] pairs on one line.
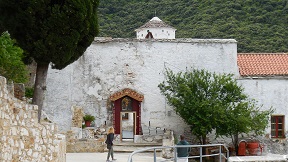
[[116, 80], [156, 29]]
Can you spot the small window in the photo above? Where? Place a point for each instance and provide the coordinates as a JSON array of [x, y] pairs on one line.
[[277, 126], [162, 30]]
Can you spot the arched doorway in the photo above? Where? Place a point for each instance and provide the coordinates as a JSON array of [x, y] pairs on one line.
[[127, 113]]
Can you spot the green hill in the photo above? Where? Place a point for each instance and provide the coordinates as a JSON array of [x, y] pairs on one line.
[[257, 25]]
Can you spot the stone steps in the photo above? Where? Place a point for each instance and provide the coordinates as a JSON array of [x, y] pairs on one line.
[[130, 146]]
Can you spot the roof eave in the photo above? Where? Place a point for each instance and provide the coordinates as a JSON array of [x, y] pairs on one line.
[[264, 76], [138, 29]]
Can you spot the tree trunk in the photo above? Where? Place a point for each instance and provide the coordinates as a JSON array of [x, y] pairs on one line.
[[40, 87], [236, 143], [204, 142]]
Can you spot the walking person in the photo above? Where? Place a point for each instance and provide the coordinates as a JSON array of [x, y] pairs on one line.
[[109, 142], [183, 152]]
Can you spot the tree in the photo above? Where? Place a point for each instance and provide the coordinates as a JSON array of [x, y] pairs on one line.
[[11, 65], [243, 117], [50, 32], [209, 101]]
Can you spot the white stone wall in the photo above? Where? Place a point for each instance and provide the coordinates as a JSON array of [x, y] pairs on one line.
[[158, 33], [22, 137], [270, 93], [110, 65]]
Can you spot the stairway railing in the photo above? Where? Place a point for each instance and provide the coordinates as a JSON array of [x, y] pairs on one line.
[[222, 153]]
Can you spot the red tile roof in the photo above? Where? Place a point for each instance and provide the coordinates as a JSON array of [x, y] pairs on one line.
[[262, 64]]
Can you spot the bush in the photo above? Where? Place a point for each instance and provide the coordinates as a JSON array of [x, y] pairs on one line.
[[29, 92]]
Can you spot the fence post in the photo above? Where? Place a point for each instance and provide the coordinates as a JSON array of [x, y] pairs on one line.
[[175, 154], [220, 153], [200, 153], [227, 154], [154, 154]]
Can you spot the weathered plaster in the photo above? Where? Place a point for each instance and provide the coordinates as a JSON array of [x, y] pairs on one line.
[[110, 65], [269, 93]]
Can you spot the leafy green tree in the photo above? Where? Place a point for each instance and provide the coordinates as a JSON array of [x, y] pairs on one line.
[[11, 65], [243, 117], [195, 97], [55, 32], [209, 101]]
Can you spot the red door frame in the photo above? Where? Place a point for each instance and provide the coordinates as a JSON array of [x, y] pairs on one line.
[[136, 106]]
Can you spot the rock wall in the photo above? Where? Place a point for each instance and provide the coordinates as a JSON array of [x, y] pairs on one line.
[[91, 140], [85, 145], [22, 137], [19, 91]]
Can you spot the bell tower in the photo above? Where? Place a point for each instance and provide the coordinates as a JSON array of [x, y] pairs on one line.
[[155, 29]]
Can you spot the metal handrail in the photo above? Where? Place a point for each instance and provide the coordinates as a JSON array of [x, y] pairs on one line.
[[190, 157]]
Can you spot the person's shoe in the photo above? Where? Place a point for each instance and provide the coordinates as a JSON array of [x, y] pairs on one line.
[[108, 161], [114, 159]]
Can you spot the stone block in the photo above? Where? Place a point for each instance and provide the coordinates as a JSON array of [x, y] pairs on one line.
[[24, 132], [138, 138], [77, 116], [76, 132]]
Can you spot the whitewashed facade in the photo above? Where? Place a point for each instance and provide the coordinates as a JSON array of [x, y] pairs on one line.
[[269, 92], [111, 65]]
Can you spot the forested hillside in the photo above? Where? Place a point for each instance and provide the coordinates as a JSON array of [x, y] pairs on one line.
[[257, 25]]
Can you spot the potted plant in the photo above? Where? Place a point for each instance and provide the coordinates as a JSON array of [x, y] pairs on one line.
[[253, 146], [88, 119]]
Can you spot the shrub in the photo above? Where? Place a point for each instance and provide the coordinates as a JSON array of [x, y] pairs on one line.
[[88, 117]]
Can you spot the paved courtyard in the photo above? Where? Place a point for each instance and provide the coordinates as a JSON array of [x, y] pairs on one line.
[[101, 157], [148, 157], [269, 157]]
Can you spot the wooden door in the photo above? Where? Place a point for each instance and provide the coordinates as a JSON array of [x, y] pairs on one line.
[[126, 104]]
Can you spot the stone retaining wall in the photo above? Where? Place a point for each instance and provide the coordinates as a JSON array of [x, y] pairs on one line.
[[168, 140], [22, 137], [85, 145], [86, 142]]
